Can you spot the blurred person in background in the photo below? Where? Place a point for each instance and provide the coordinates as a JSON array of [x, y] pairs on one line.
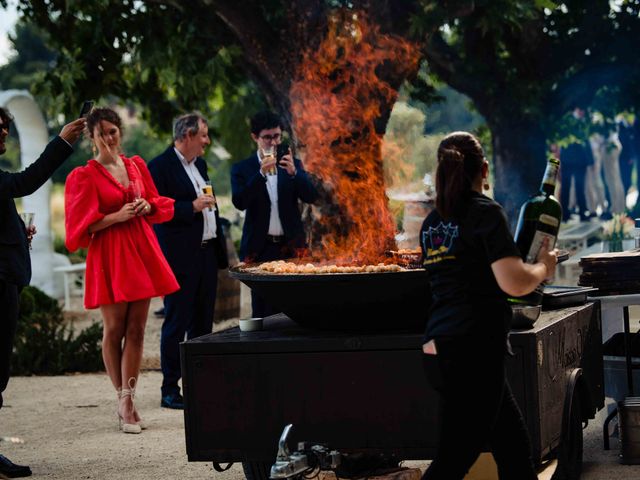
[[630, 153], [193, 242], [473, 265], [575, 159], [110, 205], [15, 238], [269, 190]]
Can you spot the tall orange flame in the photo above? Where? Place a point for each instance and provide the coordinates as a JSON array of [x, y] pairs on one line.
[[339, 100]]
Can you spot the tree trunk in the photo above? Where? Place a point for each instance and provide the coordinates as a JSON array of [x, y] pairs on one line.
[[519, 155]]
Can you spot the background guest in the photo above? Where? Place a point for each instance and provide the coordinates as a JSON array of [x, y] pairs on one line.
[[194, 244], [15, 264], [273, 226], [575, 159]]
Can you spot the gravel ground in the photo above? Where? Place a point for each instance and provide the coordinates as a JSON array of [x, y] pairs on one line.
[[69, 430]]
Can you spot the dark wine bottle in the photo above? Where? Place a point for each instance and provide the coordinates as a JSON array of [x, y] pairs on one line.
[[540, 218]]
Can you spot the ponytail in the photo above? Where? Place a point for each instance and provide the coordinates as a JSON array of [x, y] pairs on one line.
[[460, 159]]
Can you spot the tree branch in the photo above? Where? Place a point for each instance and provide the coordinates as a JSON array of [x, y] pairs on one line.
[[448, 65]]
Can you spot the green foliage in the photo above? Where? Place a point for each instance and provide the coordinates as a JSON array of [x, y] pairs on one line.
[[408, 153], [45, 345], [10, 160], [33, 57], [79, 256]]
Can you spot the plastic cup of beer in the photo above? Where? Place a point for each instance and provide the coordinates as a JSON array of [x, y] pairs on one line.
[[267, 153], [207, 189]]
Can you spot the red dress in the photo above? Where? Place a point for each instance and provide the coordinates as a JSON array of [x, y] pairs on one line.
[[124, 260]]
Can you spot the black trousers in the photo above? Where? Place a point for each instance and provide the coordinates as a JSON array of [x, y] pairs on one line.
[[188, 311], [9, 295], [478, 411], [272, 251]]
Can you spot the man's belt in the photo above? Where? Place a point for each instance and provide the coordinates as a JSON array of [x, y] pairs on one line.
[[275, 238]]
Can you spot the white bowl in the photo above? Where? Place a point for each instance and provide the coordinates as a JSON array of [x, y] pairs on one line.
[[250, 324]]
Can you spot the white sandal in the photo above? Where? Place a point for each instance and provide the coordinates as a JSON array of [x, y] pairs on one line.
[[127, 427]]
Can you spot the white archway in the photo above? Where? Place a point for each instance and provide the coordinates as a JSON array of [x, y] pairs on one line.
[[33, 137]]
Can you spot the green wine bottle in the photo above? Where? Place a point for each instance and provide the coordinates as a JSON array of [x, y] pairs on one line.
[[540, 218]]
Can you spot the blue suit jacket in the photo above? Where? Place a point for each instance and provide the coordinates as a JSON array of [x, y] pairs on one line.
[[249, 192], [15, 264], [180, 238]]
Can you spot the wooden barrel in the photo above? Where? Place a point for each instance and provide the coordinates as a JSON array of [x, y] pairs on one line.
[[629, 427], [228, 294]]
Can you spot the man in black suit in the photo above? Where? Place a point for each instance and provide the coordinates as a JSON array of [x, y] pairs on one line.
[[15, 264], [192, 242], [272, 226]]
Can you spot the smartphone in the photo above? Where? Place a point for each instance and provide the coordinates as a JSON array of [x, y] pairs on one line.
[[86, 108], [281, 150]]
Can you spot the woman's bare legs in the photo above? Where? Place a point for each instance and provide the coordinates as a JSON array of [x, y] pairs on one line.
[[113, 317], [136, 321], [124, 321]]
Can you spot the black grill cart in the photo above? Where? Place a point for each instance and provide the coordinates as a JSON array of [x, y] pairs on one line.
[[366, 392]]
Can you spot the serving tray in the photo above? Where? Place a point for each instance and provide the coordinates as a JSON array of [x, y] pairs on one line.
[[560, 296]]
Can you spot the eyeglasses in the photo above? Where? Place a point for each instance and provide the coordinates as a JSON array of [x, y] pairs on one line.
[[275, 136]]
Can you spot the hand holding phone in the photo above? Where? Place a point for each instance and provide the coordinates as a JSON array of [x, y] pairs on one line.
[[86, 108], [285, 163], [281, 150]]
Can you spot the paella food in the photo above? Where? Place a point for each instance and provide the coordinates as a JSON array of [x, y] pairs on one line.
[[282, 266]]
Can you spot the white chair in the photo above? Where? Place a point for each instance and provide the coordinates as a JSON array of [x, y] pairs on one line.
[[73, 276]]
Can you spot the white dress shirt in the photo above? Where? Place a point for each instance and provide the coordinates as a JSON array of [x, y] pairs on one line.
[[275, 225], [209, 230]]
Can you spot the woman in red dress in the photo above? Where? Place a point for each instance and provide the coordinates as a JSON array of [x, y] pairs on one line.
[[110, 204]]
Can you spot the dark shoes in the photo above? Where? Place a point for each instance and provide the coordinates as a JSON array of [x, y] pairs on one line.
[[159, 313], [11, 470], [173, 400]]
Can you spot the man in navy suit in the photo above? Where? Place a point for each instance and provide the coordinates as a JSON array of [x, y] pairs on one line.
[[15, 264], [272, 226], [193, 244]]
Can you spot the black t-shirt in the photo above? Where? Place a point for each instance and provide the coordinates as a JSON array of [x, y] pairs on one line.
[[458, 253]]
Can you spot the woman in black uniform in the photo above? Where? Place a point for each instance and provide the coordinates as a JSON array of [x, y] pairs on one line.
[[473, 265]]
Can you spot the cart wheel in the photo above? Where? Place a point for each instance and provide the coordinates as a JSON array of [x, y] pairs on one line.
[[570, 451], [257, 470]]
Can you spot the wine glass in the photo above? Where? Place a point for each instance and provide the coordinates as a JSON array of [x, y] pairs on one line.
[[27, 218], [136, 190]]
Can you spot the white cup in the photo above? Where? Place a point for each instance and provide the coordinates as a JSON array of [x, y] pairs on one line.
[[250, 324]]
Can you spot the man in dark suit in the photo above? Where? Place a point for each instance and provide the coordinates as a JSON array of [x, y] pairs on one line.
[[192, 242], [272, 226], [15, 264]]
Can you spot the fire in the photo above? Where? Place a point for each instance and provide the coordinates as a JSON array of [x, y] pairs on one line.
[[341, 99]]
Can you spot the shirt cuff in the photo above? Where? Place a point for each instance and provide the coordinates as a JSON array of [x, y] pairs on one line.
[[65, 141]]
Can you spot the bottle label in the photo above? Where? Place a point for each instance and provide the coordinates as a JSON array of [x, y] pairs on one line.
[[536, 244], [551, 174], [549, 220]]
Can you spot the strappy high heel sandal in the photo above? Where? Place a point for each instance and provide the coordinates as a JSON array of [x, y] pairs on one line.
[[132, 387], [127, 427]]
